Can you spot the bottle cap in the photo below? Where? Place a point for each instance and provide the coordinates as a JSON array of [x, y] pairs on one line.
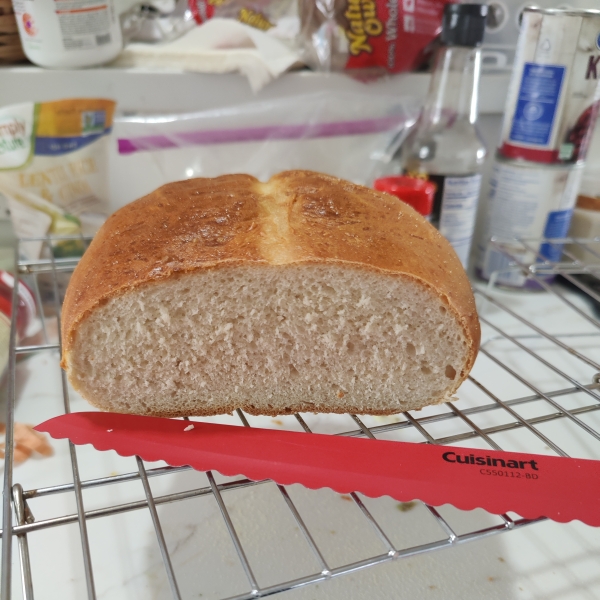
[[415, 192], [463, 24]]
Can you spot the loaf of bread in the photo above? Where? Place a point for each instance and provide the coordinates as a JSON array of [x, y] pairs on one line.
[[305, 293]]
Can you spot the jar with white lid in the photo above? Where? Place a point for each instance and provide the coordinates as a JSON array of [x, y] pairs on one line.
[[68, 33]]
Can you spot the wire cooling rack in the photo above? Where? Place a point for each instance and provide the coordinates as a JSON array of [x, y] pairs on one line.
[[535, 387]]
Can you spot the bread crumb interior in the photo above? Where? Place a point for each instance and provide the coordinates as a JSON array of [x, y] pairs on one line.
[[270, 340]]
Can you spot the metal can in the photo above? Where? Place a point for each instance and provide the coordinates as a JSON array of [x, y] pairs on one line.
[[525, 201], [554, 94]]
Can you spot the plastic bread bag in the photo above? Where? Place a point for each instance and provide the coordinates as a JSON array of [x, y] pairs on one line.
[[165, 20], [348, 135], [54, 169], [157, 21], [278, 18], [370, 35]]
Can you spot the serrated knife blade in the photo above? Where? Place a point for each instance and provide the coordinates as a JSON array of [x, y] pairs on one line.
[[530, 485]]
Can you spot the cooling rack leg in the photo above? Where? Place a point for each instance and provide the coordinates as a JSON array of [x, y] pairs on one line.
[[391, 551], [20, 512], [157, 527], [5, 584], [232, 533], [85, 544], [443, 523], [325, 570]]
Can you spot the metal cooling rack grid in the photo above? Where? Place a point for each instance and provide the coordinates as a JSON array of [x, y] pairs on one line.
[[521, 259], [558, 397]]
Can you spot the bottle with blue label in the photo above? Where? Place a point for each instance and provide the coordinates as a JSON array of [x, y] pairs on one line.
[[445, 146], [554, 94]]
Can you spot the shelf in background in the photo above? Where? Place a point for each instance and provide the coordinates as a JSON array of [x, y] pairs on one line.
[[162, 91]]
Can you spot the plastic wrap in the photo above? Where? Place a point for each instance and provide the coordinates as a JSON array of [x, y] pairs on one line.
[[53, 169], [374, 35], [166, 20], [347, 135], [157, 21], [277, 17]]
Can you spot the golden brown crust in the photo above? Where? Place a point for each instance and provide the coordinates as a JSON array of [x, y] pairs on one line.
[[297, 217], [335, 220], [180, 227]]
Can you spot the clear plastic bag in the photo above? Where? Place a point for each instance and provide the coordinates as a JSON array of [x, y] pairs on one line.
[[166, 20], [369, 35], [157, 21], [277, 17], [347, 135], [54, 169]]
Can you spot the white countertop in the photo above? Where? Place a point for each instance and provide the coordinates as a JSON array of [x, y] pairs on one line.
[[545, 560]]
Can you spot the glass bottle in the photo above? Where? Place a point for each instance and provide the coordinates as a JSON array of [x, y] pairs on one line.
[[445, 146]]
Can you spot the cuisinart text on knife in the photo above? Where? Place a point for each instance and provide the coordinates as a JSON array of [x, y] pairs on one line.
[[471, 459]]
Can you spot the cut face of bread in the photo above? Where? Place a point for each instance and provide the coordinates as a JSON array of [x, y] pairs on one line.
[[305, 293], [271, 340]]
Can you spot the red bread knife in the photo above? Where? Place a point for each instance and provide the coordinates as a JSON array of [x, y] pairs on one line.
[[531, 485]]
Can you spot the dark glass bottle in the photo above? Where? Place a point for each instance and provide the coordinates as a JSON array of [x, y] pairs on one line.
[[445, 146]]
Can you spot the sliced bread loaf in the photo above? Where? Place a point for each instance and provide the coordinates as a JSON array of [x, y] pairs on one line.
[[305, 293]]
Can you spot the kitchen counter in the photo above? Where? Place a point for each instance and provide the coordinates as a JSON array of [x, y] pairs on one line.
[[543, 560]]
